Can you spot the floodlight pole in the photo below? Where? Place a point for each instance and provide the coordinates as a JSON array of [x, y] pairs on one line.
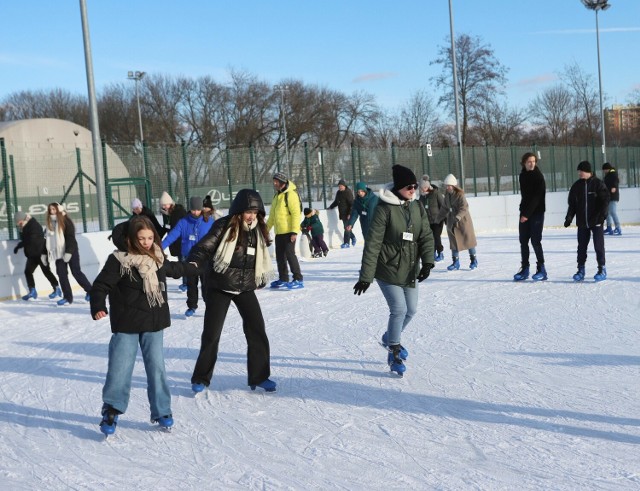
[[282, 88], [137, 76], [455, 93]]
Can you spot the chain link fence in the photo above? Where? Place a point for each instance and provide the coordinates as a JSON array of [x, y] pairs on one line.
[[66, 175]]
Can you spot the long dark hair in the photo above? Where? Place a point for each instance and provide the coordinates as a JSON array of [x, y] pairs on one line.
[[526, 156], [136, 224], [235, 222]]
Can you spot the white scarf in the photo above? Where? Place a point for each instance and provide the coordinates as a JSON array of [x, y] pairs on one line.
[[224, 254], [147, 268], [55, 241]]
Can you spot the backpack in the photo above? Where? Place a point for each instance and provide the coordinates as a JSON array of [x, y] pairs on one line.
[[286, 200]]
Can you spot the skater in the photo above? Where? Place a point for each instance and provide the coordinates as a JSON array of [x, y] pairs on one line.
[[284, 217], [237, 246], [612, 182], [460, 229], [432, 199], [135, 282], [363, 207], [588, 202], [139, 209], [172, 213], [313, 226], [398, 250], [189, 231], [344, 202], [62, 250], [33, 243], [532, 207]]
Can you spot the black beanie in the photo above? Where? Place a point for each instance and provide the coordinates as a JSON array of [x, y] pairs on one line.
[[585, 166], [607, 166], [307, 212], [207, 203], [402, 177]]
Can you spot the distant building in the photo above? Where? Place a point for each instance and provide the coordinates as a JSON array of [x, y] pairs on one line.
[[623, 119]]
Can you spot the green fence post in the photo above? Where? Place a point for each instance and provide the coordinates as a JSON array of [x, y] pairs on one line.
[[324, 182], [393, 153], [185, 172], [449, 158], [486, 151], [83, 209], [252, 163], [228, 156], [514, 171], [353, 164], [422, 159], [593, 152], [145, 159], [475, 174], [554, 181], [13, 183], [7, 192], [167, 159], [306, 163], [429, 166], [497, 166], [359, 165]]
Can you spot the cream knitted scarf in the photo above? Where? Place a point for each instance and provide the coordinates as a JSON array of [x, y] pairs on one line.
[[224, 253], [147, 268]]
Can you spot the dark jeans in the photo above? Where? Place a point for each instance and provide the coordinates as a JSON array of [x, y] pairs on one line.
[[63, 276], [584, 236], [286, 257], [531, 230], [258, 354], [30, 267], [319, 244], [436, 229], [348, 234], [192, 290]]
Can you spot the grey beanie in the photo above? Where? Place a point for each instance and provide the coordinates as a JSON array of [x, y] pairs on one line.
[[19, 216], [195, 203]]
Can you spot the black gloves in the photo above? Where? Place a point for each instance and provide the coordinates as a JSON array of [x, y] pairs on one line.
[[16, 249], [425, 272], [567, 222], [360, 287]]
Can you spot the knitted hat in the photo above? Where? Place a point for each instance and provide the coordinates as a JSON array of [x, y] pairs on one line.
[[281, 176], [19, 216], [450, 180], [607, 166], [165, 199], [426, 182], [136, 203], [307, 212], [361, 186], [585, 166], [402, 177], [342, 182], [195, 203], [207, 203]]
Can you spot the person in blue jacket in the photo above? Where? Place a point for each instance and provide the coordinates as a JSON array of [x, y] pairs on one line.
[[363, 207], [190, 230]]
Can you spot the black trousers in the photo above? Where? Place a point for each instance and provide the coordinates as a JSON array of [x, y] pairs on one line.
[[531, 230], [258, 355], [63, 275], [436, 229], [286, 254], [348, 234], [30, 267], [584, 236], [192, 290]]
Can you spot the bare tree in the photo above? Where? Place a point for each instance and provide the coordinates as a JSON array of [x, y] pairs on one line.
[[418, 121], [55, 103], [586, 101], [480, 76], [497, 123], [552, 110]]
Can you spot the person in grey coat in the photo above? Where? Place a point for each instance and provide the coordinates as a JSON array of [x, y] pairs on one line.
[[462, 235]]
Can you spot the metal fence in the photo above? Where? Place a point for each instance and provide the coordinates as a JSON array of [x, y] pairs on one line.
[[66, 175]]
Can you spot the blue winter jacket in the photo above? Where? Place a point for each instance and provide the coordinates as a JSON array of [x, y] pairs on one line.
[[190, 230], [364, 207]]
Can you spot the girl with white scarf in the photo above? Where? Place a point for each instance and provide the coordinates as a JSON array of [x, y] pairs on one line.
[[135, 282], [235, 251]]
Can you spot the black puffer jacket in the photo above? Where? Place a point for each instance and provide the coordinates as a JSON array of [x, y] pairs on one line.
[[612, 182], [240, 276], [533, 189], [32, 239], [588, 202], [130, 309]]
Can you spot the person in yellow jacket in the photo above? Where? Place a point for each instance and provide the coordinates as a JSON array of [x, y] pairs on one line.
[[284, 216]]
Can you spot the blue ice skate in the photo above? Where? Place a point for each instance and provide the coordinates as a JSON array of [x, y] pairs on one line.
[[268, 385], [404, 354]]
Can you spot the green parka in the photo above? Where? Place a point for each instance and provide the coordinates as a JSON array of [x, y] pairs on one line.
[[388, 254]]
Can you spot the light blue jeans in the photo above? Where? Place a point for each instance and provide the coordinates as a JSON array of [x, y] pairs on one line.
[[455, 254], [403, 305], [612, 217], [123, 349]]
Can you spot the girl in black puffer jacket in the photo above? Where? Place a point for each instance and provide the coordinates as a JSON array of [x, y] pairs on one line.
[[235, 252]]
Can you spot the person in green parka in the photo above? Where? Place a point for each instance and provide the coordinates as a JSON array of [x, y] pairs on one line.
[[398, 251]]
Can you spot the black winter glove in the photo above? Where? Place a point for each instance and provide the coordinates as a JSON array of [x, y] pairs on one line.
[[360, 287], [16, 249], [425, 272], [567, 222]]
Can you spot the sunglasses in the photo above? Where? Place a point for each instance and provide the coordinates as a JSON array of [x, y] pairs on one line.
[[411, 186]]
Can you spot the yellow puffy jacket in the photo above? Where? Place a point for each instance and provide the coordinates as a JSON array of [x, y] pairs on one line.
[[285, 219]]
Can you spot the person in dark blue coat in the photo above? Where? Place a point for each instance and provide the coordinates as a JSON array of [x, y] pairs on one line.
[[135, 283], [190, 230], [588, 203], [363, 207], [237, 248]]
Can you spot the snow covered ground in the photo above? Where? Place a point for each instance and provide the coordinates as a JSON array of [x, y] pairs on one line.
[[509, 386]]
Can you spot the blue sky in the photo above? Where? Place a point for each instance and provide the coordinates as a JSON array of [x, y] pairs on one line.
[[381, 47]]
